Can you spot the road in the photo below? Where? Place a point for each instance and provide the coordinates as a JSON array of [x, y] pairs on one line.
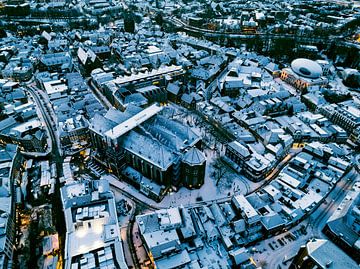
[[39, 20], [130, 243], [325, 210], [271, 177], [40, 102], [130, 249], [315, 223], [269, 36], [213, 85], [56, 157], [125, 190]]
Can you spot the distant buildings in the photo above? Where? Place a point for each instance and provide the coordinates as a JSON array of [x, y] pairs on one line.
[[74, 132], [249, 215], [74, 105], [180, 236], [161, 237], [107, 96], [38, 181], [346, 116], [88, 60]]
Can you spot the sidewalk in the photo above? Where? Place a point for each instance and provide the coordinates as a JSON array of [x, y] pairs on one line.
[[208, 192]]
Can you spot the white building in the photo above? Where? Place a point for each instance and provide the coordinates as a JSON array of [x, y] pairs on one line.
[[93, 235]]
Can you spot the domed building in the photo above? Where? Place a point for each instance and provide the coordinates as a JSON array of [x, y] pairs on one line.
[[193, 168], [304, 73], [306, 68]]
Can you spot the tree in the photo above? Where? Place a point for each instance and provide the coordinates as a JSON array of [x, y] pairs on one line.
[[220, 170], [2, 33], [129, 22], [263, 264], [282, 47], [353, 81], [230, 43], [159, 19], [332, 97], [2, 110]]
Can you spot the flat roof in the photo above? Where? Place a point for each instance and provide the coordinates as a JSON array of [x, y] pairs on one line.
[[239, 148], [353, 111], [143, 76], [308, 200], [243, 204], [30, 125], [325, 253], [160, 237], [54, 86], [174, 261], [133, 122], [291, 181]]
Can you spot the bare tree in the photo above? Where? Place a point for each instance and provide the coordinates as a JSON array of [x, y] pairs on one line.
[[220, 170], [263, 264]]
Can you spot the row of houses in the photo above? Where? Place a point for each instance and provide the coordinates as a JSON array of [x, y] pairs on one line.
[[183, 236], [19, 122], [9, 169]]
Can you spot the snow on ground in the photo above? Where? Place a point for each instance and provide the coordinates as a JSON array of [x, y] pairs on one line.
[[231, 183], [124, 218]]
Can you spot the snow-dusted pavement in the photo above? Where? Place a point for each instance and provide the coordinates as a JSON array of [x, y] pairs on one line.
[[232, 183]]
